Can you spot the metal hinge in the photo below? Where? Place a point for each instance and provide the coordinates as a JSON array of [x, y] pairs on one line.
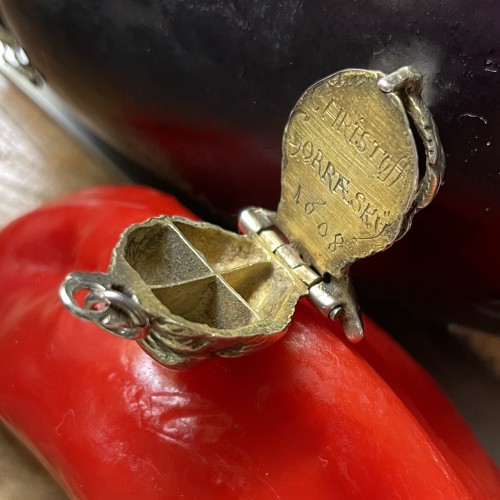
[[327, 297]]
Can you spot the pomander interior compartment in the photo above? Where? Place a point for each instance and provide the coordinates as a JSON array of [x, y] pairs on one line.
[[204, 277]]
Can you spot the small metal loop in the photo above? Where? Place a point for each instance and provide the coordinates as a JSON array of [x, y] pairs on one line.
[[135, 326], [93, 299], [74, 283], [120, 313], [410, 80], [13, 55]]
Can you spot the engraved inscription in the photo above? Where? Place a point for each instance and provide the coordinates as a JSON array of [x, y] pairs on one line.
[[389, 167], [337, 184], [349, 171], [336, 243], [322, 227]]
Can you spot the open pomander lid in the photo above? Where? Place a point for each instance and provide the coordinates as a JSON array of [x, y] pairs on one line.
[[349, 172]]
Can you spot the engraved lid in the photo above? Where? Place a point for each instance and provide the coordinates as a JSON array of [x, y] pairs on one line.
[[349, 171]]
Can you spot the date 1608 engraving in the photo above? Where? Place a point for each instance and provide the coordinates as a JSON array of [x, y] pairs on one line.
[[323, 229]]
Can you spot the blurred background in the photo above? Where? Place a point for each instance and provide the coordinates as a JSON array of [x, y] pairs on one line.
[[192, 97]]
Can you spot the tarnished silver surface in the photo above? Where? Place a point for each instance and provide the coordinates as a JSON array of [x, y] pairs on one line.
[[113, 310], [206, 291], [350, 186], [409, 83]]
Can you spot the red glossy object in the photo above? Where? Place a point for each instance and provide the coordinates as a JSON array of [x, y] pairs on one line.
[[310, 417]]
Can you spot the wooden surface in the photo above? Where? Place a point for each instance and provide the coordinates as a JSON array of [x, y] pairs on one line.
[[39, 161], [21, 476]]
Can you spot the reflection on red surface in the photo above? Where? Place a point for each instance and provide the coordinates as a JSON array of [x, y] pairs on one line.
[[229, 167]]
